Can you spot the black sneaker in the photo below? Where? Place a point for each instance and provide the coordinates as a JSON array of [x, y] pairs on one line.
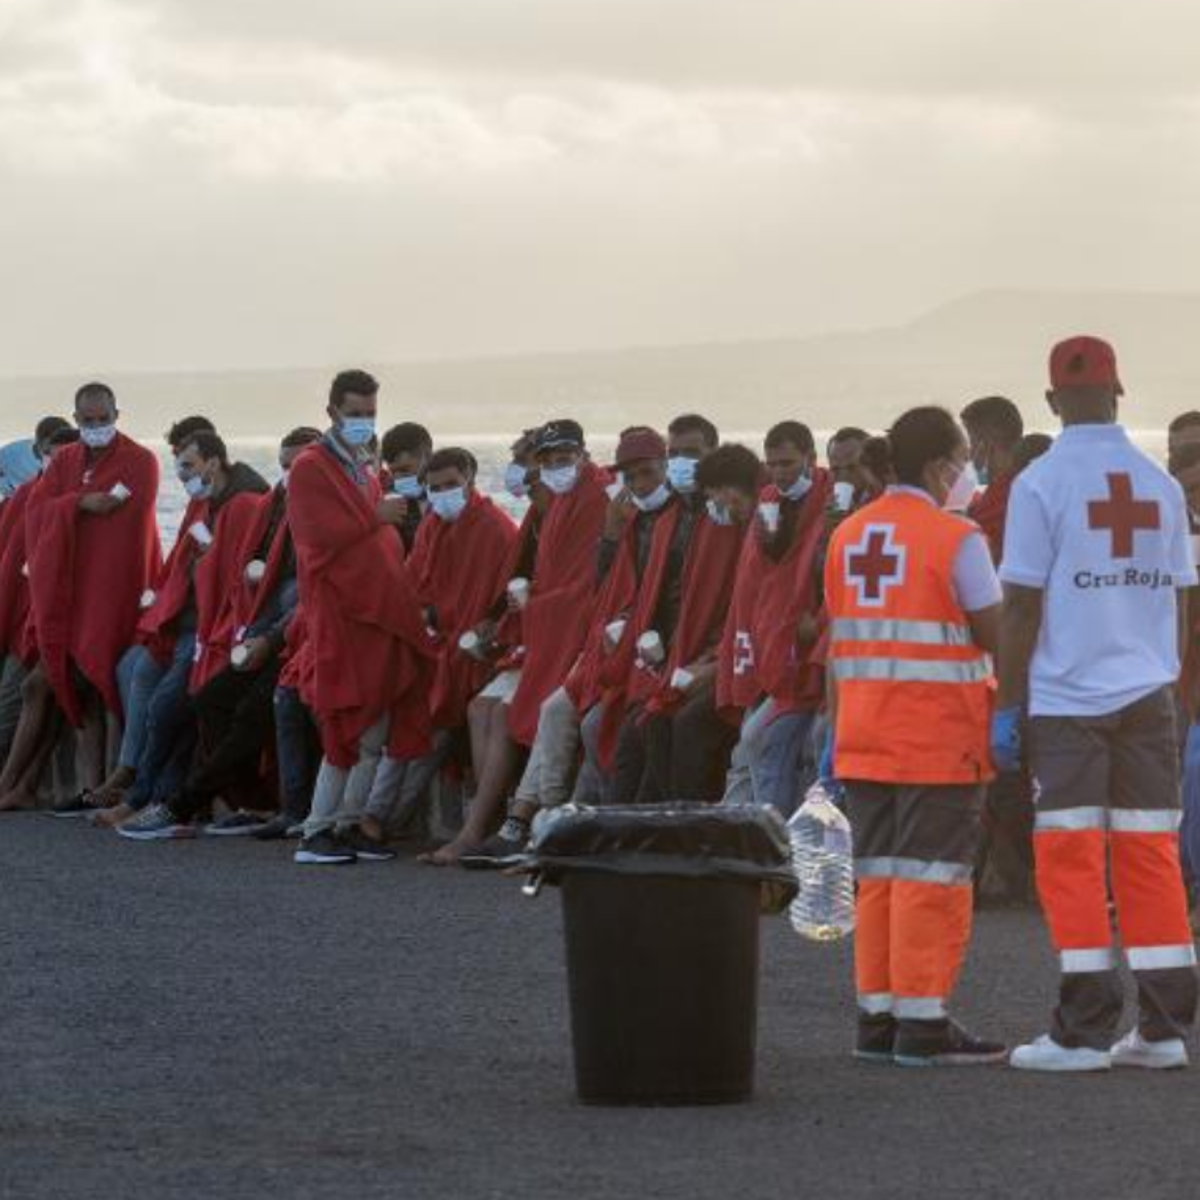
[[82, 805], [324, 849], [943, 1044], [876, 1039], [276, 829], [234, 824], [365, 849], [502, 849]]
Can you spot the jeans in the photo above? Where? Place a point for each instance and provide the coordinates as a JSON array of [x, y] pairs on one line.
[[138, 674], [775, 751], [298, 749], [1189, 832], [170, 727], [14, 675]]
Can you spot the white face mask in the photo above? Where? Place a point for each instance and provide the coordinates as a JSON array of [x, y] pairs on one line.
[[718, 513], [514, 480], [962, 490], [681, 473], [561, 480], [799, 489], [449, 505], [408, 486], [654, 501], [96, 437]]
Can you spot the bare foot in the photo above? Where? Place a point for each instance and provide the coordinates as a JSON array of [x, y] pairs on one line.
[[372, 827], [111, 817], [449, 854], [16, 800]]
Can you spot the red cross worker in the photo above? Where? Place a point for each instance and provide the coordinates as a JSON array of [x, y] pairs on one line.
[[914, 603], [1096, 552]]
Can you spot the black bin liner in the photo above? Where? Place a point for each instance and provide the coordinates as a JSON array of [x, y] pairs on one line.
[[661, 908], [681, 841]]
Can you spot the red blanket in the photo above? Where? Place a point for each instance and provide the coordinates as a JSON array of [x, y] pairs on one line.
[[219, 573], [459, 568], [556, 619], [248, 596], [172, 588], [706, 585], [616, 598], [14, 586], [370, 654], [989, 510], [759, 651], [87, 573]]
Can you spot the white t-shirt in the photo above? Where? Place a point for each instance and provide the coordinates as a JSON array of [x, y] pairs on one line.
[[1103, 531]]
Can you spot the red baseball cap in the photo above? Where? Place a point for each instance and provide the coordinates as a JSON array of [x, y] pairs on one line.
[[638, 443], [1084, 362]]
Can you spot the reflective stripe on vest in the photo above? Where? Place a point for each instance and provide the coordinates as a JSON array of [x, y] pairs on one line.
[[910, 670], [895, 629]]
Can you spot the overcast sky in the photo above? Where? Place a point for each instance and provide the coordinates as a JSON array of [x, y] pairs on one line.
[[229, 183]]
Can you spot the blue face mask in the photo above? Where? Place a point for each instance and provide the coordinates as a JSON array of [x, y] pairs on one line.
[[408, 486], [799, 489], [681, 473], [357, 431], [514, 480], [448, 505], [654, 501], [560, 480]]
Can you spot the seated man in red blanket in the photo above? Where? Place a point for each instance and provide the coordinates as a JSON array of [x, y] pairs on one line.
[[93, 549]]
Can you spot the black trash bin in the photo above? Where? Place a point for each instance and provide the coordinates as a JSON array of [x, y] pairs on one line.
[[661, 907]]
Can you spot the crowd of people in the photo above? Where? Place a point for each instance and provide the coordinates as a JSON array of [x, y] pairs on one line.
[[903, 613]]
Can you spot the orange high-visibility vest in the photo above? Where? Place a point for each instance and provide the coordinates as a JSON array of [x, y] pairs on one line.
[[914, 691]]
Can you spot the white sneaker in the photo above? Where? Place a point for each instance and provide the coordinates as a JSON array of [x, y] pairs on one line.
[[1045, 1054], [1134, 1051]]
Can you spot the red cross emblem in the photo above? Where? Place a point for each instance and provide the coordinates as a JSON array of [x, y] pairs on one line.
[[1122, 515], [875, 564]]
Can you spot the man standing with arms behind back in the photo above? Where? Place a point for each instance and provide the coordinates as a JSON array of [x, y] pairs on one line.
[[1095, 554]]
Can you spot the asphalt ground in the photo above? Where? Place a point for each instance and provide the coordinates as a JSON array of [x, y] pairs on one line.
[[204, 1019]]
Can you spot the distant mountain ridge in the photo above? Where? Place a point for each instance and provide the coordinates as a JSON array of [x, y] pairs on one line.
[[991, 341]]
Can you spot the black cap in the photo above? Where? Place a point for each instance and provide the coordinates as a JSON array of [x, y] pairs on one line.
[[556, 434]]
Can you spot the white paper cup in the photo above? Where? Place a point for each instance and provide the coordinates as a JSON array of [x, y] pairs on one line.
[[239, 656], [614, 489], [148, 598], [769, 511], [650, 648], [119, 492], [256, 570], [25, 570], [681, 680], [518, 590], [615, 630], [471, 643], [201, 533], [1196, 548], [843, 496]]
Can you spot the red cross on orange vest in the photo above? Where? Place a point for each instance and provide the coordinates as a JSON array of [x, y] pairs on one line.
[[1122, 515], [874, 563]]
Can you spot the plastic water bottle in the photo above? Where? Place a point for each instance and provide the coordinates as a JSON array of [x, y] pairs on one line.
[[822, 857]]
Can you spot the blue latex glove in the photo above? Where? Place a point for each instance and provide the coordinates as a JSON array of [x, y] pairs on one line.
[[1006, 739], [825, 766]]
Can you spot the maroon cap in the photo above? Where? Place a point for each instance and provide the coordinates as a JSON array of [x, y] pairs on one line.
[[1084, 362], [638, 443]]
